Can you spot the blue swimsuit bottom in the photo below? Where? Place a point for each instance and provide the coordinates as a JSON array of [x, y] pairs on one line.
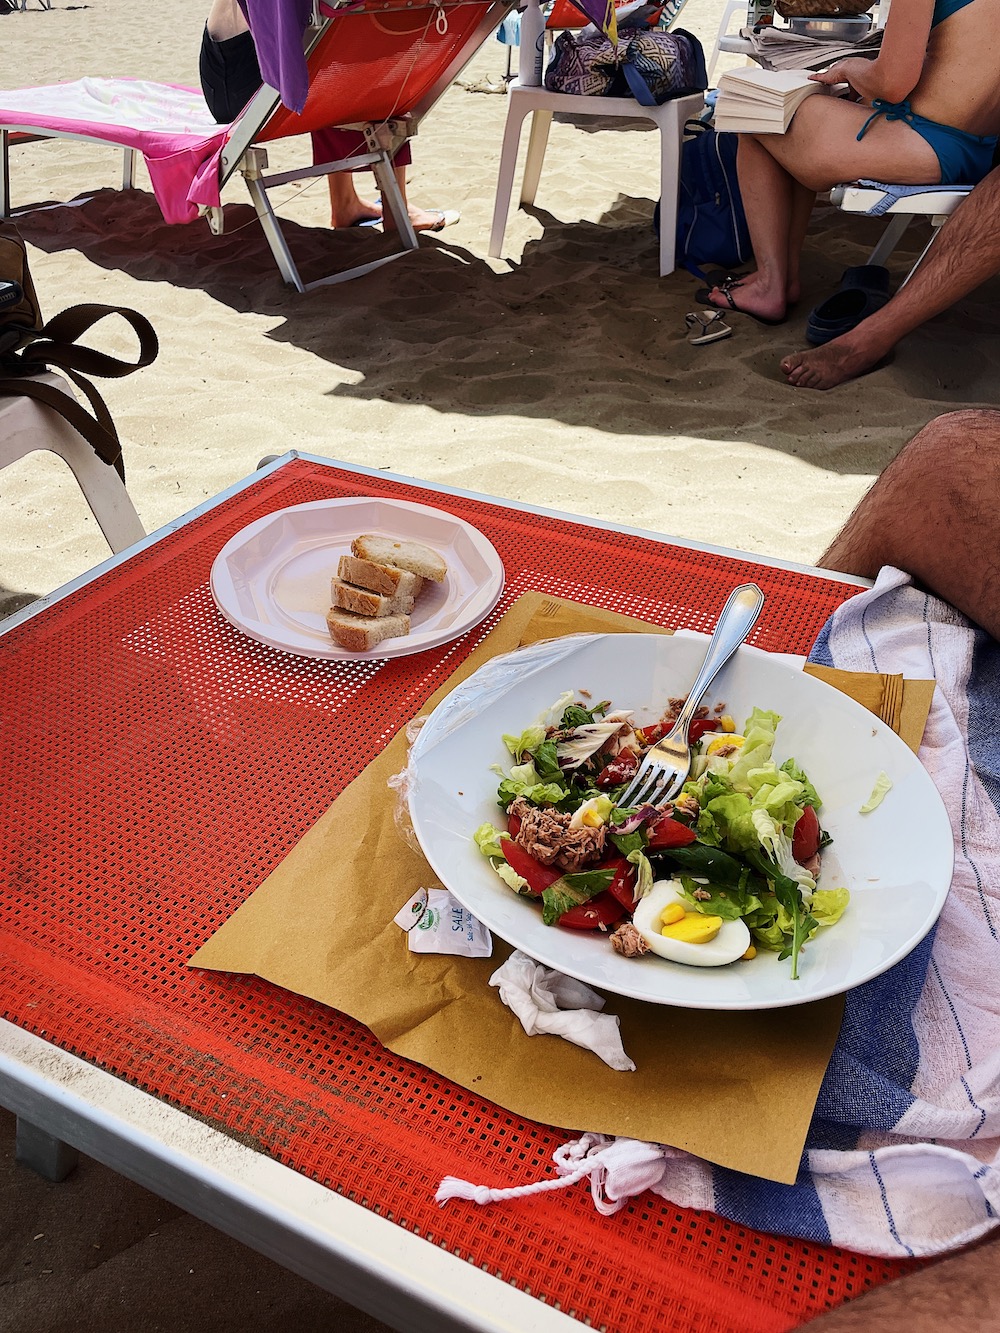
[[964, 158]]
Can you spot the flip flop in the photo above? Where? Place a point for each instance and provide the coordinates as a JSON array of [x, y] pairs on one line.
[[706, 328], [863, 290], [448, 217], [726, 288], [367, 222]]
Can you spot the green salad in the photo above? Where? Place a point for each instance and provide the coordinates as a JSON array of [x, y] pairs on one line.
[[741, 843]]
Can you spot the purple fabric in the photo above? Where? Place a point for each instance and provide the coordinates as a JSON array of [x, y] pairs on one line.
[[278, 27]]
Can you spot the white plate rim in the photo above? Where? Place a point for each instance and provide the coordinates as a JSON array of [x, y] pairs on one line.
[[220, 584]]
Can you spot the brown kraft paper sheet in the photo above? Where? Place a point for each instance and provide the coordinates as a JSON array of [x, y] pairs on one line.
[[321, 925]]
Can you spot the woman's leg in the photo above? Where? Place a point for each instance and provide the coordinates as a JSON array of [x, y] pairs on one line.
[[771, 200], [803, 203], [820, 149]]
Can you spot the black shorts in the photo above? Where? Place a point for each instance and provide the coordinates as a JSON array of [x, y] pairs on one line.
[[230, 74]]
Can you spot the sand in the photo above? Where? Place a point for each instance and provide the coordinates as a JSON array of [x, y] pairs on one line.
[[559, 375]]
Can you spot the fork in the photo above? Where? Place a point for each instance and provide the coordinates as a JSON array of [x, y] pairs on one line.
[[666, 765]]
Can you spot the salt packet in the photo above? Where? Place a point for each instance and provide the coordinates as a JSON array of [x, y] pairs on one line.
[[435, 922]]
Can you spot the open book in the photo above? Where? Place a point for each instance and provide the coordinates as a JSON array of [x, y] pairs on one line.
[[762, 101]]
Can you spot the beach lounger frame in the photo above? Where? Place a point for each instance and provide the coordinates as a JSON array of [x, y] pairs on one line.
[[245, 149], [936, 203]]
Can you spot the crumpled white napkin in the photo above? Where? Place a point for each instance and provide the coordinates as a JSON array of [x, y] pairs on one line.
[[546, 1001]]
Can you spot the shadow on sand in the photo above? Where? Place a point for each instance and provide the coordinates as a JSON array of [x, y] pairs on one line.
[[579, 330]]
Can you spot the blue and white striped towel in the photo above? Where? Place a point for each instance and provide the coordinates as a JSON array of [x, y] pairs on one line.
[[891, 194], [903, 1154]]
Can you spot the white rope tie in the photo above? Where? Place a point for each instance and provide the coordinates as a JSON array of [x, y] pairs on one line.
[[453, 1188], [618, 1169]]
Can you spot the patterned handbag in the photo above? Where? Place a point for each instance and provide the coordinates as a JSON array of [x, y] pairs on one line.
[[648, 64]]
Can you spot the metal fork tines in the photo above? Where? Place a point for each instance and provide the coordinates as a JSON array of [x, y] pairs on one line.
[[666, 765]]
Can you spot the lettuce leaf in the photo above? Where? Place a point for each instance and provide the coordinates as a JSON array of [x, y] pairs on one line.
[[883, 784], [730, 901], [511, 878], [810, 796], [487, 839], [829, 905], [538, 793], [528, 740], [644, 877], [571, 890]]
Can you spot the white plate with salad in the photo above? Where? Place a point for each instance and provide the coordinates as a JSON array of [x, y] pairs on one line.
[[512, 792]]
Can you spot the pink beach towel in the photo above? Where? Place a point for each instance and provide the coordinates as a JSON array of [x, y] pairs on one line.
[[169, 125]]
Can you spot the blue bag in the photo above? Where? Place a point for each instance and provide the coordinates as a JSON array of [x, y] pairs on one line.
[[711, 224]]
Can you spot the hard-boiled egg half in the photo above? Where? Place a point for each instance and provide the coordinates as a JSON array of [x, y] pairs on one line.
[[730, 941]]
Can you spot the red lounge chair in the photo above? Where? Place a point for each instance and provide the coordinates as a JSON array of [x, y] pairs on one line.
[[378, 67]]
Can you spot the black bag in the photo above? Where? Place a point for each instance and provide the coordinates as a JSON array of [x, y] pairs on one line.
[[27, 346], [648, 64], [711, 224]]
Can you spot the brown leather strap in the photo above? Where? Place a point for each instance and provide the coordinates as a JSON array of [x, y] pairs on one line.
[[56, 346], [98, 430]]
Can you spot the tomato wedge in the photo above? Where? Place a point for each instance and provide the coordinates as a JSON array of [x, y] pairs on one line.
[[600, 911], [539, 877], [806, 835], [668, 832], [513, 825], [619, 770], [622, 887]]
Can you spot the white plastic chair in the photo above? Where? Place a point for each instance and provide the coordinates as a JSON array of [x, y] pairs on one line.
[[527, 97], [934, 203], [732, 7], [27, 426]]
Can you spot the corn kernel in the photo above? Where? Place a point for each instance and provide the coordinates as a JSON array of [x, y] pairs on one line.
[[694, 928], [751, 952], [671, 913], [727, 723]]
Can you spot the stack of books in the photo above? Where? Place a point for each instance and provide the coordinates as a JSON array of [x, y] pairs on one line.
[[762, 101]]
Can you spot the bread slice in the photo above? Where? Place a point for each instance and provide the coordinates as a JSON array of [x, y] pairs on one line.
[[386, 580], [347, 597], [358, 634], [418, 559]]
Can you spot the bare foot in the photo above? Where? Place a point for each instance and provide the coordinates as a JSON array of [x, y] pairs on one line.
[[355, 211], [826, 367], [753, 296]]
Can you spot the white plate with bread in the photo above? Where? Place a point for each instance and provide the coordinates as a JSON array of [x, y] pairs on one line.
[[357, 578]]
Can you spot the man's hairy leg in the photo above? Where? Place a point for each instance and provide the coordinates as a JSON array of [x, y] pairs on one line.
[[965, 255], [959, 1293], [935, 513]]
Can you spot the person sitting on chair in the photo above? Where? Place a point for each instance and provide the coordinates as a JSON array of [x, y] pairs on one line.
[[965, 255], [230, 75], [928, 113]]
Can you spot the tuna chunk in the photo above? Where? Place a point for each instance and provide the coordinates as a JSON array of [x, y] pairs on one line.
[[545, 834]]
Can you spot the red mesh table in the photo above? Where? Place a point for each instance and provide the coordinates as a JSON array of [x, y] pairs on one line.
[[161, 764]]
